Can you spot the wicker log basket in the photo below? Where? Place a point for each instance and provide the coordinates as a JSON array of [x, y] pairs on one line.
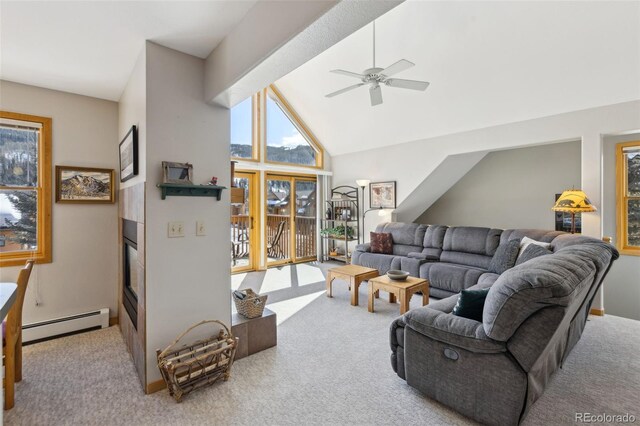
[[200, 364], [252, 306]]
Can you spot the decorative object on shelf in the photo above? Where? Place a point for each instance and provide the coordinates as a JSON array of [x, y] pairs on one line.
[[338, 232], [382, 195], [84, 185], [249, 303], [199, 364], [129, 155], [190, 190], [179, 173], [213, 181], [342, 224], [573, 201], [397, 275]]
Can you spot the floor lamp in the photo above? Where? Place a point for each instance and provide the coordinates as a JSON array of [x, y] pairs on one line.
[[362, 183], [573, 201]]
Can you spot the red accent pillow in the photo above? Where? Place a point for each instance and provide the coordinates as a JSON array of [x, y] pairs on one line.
[[381, 242]]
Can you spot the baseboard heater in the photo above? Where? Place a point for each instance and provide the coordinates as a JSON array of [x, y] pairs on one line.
[[61, 326]]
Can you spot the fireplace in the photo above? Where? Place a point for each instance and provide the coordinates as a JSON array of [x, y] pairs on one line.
[[130, 269]]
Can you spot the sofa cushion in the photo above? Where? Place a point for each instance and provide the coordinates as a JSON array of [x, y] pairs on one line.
[[381, 242], [544, 281], [466, 259], [505, 257], [531, 252], [471, 239], [470, 304], [486, 280], [434, 240], [526, 242], [410, 234], [381, 262], [452, 277], [543, 235]]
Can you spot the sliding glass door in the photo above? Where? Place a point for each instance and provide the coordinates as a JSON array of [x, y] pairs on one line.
[[243, 222], [290, 219]]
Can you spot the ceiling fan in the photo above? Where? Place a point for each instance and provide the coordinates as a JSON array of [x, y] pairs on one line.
[[374, 77]]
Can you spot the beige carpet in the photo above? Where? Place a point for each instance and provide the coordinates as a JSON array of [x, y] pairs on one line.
[[331, 367]]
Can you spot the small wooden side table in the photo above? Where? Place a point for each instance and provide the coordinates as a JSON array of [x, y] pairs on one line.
[[352, 274], [402, 289]]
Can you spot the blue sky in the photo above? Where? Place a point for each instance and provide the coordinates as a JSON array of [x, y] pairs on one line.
[[280, 131]]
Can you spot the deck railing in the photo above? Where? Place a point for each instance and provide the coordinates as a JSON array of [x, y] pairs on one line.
[[305, 238]]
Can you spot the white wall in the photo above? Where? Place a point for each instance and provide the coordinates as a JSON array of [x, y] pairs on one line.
[[187, 279], [83, 274], [132, 111], [511, 188], [622, 289]]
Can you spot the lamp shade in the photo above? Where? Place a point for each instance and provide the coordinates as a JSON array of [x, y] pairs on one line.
[[362, 182], [573, 201]]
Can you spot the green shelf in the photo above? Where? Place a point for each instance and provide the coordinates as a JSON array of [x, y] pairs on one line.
[[177, 189]]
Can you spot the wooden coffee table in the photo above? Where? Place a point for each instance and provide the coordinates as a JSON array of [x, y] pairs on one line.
[[402, 289], [353, 275]]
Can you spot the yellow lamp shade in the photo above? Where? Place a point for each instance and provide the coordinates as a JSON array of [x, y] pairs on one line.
[[573, 201]]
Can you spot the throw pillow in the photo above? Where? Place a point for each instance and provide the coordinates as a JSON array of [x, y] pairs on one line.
[[471, 303], [381, 242], [526, 241], [531, 252], [505, 256]]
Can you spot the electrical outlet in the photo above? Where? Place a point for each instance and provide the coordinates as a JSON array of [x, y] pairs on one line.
[[176, 229], [201, 230]]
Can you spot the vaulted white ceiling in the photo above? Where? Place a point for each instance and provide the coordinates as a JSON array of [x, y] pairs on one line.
[[90, 47], [489, 63]]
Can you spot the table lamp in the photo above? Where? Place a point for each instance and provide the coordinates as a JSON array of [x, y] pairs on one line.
[[573, 201]]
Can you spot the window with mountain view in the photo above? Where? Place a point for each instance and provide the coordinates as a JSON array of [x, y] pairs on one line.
[[628, 166], [25, 195], [242, 143], [285, 138], [285, 142]]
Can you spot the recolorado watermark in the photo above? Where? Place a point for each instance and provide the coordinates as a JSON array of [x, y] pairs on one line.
[[604, 418]]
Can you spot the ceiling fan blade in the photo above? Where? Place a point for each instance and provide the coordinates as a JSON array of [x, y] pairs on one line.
[[376, 95], [407, 84], [348, 73], [346, 89], [401, 65]]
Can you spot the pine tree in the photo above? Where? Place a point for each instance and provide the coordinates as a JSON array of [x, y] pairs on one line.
[[25, 230]]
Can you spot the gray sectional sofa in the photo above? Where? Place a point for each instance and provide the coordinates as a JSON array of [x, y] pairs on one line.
[[534, 313]]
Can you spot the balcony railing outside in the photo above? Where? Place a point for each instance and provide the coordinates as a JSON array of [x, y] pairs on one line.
[[280, 246]]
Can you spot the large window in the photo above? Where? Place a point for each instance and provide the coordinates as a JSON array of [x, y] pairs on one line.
[[628, 197], [242, 130], [266, 128], [25, 188]]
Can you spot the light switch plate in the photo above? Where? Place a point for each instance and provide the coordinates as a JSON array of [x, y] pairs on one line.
[[176, 229], [201, 229]]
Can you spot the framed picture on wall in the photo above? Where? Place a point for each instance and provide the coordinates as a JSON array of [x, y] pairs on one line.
[[129, 155], [382, 195], [84, 185]]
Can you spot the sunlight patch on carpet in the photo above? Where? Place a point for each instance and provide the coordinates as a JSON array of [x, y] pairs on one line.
[[287, 308]]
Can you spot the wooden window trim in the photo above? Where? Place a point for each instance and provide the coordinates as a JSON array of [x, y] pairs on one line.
[[43, 253], [297, 121], [622, 199]]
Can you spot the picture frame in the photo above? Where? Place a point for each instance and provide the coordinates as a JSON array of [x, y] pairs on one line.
[[181, 173], [129, 155], [84, 185], [382, 195]]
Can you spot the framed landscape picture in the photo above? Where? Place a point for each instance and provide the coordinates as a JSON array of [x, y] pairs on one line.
[[84, 185], [382, 195], [129, 155]]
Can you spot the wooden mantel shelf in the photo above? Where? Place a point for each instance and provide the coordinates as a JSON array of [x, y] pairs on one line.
[[191, 190]]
